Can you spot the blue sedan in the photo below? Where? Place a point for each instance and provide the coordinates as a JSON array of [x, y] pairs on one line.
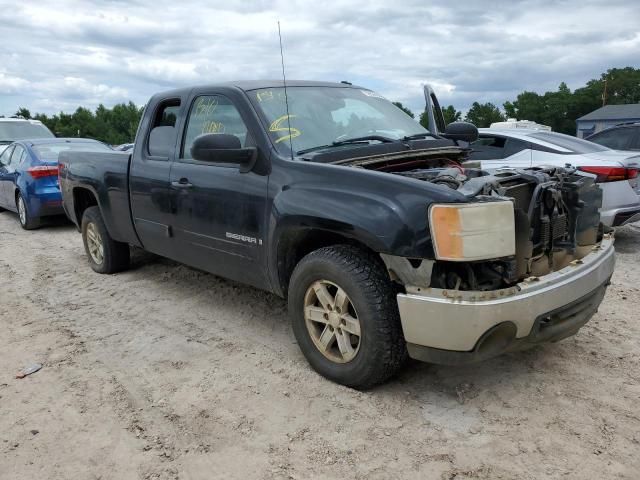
[[29, 176]]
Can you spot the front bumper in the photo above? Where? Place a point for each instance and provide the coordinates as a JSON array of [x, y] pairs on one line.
[[454, 327]]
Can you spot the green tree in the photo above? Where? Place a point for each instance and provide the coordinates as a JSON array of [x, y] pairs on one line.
[[110, 125], [484, 114], [451, 115], [23, 112], [404, 109]]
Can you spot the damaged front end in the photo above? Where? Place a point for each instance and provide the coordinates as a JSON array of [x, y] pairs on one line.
[[555, 214], [524, 261]]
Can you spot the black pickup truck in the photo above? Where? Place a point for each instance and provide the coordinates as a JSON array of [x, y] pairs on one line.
[[384, 243]]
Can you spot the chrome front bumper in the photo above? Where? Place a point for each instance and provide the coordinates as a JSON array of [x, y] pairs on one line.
[[446, 320]]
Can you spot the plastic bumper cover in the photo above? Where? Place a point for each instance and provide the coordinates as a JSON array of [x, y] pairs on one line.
[[452, 327]]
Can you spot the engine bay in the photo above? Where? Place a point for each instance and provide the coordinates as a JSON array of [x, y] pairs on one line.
[[556, 211]]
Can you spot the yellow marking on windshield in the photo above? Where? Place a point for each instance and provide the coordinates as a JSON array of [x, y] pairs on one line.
[[265, 95], [276, 126]]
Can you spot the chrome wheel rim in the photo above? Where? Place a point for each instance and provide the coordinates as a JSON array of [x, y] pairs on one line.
[[94, 244], [22, 211], [332, 321]]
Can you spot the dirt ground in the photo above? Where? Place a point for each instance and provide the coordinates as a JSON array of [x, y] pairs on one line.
[[164, 372]]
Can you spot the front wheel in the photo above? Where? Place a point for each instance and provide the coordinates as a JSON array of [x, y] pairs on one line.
[[104, 253], [345, 316], [26, 220]]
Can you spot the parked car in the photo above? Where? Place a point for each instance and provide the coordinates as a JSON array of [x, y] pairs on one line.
[[330, 196], [616, 172], [125, 147], [29, 176], [17, 128], [625, 136]]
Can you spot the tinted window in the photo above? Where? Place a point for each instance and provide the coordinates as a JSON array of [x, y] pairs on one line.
[[617, 138], [213, 114], [48, 152], [635, 143], [513, 146], [162, 136], [488, 148], [21, 130], [575, 145]]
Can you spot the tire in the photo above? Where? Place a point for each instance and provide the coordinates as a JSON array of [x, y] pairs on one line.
[[380, 350], [104, 253], [26, 220]]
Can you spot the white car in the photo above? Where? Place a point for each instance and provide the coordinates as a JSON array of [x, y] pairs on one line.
[[616, 171], [18, 128]]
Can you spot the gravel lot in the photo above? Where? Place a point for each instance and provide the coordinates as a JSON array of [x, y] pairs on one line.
[[167, 372]]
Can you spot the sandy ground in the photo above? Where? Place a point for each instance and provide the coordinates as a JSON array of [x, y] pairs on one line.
[[164, 372]]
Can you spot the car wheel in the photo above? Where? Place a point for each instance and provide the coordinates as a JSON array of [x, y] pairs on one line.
[[105, 254], [26, 220], [345, 316]]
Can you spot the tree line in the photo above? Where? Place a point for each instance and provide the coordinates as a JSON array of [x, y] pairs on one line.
[[558, 109]]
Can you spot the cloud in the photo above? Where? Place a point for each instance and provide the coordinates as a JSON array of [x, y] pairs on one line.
[[59, 54]]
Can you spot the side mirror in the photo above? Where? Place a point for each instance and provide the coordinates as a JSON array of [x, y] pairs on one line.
[[461, 131], [223, 148]]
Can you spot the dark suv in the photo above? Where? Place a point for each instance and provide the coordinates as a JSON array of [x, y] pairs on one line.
[[625, 136]]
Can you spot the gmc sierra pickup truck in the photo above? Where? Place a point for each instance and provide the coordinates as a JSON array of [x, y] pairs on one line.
[[326, 194]]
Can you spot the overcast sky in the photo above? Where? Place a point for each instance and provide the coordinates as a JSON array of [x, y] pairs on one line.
[[56, 55]]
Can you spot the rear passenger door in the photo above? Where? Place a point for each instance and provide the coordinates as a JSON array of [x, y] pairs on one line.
[[495, 151], [149, 177], [219, 219]]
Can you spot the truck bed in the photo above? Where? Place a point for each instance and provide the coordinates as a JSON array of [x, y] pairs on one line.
[[106, 176]]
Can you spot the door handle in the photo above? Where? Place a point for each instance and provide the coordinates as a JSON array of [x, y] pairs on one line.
[[182, 183]]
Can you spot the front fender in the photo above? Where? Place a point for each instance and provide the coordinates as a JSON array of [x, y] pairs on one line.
[[387, 213]]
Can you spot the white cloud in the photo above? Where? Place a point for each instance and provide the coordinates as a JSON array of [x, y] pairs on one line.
[[58, 54]]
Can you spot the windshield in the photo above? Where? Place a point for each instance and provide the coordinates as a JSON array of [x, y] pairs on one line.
[[576, 145], [320, 116], [50, 151], [12, 131]]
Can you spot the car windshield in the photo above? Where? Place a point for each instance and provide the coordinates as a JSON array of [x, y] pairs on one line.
[[320, 116], [49, 151], [11, 131], [576, 145]]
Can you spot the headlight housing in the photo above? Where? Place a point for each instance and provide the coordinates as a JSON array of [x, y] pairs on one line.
[[473, 231]]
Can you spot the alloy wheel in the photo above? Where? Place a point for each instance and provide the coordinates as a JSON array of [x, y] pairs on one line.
[[332, 321]]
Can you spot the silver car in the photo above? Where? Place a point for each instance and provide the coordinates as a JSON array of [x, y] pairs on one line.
[[616, 171]]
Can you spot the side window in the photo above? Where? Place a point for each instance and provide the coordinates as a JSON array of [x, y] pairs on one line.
[[162, 137], [17, 156], [488, 148], [6, 156], [513, 146], [617, 139], [212, 114], [635, 143]]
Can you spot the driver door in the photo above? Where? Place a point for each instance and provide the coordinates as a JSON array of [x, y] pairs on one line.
[[219, 213]]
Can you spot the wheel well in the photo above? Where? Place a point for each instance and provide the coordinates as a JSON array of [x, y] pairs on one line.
[[82, 199], [294, 246]]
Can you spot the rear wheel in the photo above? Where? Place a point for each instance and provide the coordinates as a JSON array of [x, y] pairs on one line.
[[105, 254], [26, 220], [345, 316]]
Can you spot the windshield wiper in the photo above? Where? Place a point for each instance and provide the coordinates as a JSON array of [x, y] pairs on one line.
[[348, 141], [419, 135], [379, 138]]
